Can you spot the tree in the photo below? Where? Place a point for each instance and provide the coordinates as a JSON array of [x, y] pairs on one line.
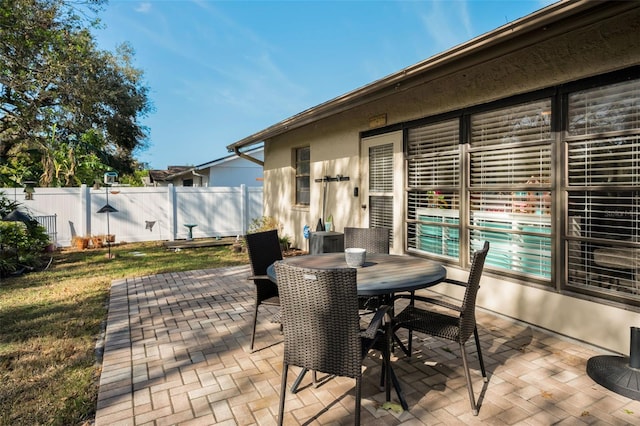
[[68, 111]]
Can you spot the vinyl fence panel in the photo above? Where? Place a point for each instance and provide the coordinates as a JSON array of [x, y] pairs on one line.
[[145, 214], [136, 207], [220, 213], [68, 204]]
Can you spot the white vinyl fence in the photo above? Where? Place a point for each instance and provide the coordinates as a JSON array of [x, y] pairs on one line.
[[145, 214]]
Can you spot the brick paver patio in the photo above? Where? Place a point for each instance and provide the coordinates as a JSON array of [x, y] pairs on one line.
[[176, 353]]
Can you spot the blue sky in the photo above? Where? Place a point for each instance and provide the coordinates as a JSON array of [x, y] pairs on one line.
[[219, 71]]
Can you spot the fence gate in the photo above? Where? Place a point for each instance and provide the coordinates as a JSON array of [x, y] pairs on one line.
[[49, 223]]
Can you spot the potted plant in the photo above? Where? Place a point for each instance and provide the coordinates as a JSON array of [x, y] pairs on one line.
[[79, 242], [328, 223], [285, 243], [97, 240]]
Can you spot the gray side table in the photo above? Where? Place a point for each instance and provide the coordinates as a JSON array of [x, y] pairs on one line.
[[326, 242]]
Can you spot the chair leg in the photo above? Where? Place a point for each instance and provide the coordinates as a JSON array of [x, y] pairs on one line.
[[411, 303], [474, 407], [298, 380], [484, 372], [410, 351], [255, 321], [358, 400], [283, 391]]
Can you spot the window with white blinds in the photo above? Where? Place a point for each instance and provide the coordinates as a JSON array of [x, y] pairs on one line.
[[433, 180], [303, 175], [603, 192], [583, 142], [510, 187], [381, 187]]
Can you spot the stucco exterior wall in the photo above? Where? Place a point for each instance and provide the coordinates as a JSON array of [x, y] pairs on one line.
[[334, 150], [525, 65]]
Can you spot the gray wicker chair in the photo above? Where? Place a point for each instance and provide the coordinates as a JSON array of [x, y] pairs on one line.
[[374, 240], [457, 328], [264, 249], [322, 326]]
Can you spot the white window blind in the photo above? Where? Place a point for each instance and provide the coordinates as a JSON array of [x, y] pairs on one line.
[[510, 187], [433, 180], [611, 108], [381, 187], [603, 164]]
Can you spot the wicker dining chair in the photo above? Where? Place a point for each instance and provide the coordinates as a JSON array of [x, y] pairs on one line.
[[458, 327], [264, 249], [321, 325], [374, 240]]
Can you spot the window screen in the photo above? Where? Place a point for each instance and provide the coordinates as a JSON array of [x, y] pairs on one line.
[[603, 163], [433, 179], [510, 187]]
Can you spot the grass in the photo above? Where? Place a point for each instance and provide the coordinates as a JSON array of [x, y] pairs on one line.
[[50, 322]]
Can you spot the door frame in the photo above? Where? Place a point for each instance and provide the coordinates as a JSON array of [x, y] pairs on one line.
[[397, 245]]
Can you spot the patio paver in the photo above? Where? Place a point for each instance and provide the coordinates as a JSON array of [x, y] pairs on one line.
[[176, 352]]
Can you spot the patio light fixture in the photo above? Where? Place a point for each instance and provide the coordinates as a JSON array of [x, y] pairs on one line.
[[109, 179], [29, 189]]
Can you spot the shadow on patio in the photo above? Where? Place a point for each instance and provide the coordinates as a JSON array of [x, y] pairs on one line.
[[176, 352]]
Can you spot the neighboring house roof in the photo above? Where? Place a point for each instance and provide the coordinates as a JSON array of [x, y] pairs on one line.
[[558, 18], [173, 172], [169, 174]]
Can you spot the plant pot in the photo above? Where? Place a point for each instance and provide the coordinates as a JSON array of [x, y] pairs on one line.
[[81, 243], [97, 242]]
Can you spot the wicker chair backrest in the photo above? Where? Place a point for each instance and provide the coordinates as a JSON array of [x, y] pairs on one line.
[[320, 319], [468, 308], [374, 240]]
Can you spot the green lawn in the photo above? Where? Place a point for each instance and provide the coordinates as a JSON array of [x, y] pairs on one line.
[[50, 321]]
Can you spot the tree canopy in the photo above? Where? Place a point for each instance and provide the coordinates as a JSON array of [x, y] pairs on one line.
[[68, 111]]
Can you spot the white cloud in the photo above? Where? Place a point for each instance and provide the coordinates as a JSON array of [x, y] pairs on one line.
[[144, 7], [447, 23]]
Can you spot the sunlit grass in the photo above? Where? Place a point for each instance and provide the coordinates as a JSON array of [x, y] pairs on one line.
[[50, 322]]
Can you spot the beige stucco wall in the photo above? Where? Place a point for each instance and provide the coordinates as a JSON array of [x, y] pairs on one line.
[[334, 150], [520, 67]]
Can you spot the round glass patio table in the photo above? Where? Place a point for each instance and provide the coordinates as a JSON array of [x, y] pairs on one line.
[[382, 274]]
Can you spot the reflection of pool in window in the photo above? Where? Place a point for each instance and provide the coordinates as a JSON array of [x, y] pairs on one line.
[[439, 239], [516, 243]]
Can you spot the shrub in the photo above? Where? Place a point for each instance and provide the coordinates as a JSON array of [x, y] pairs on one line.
[[266, 223], [21, 243]]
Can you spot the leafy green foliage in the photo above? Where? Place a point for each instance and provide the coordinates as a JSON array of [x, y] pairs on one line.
[[266, 223], [68, 111], [21, 243]]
